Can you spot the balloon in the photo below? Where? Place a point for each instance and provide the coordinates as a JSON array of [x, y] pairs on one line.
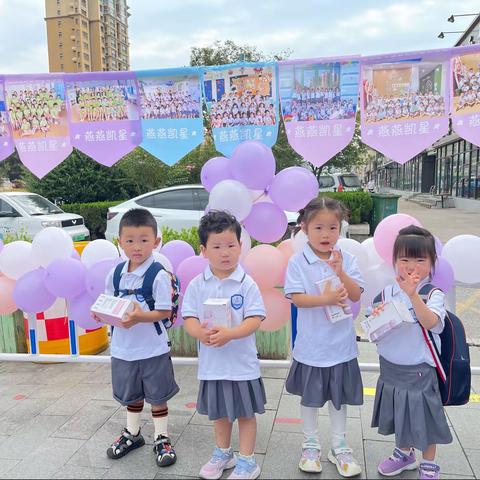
[[278, 310], [266, 222], [355, 248], [31, 294], [51, 244], [231, 196], [167, 265], [79, 311], [443, 276], [177, 251], [438, 245], [462, 252], [293, 188], [246, 242], [96, 277], [75, 255], [1, 244], [214, 171], [65, 278], [355, 308], [376, 279], [97, 251], [373, 258], [266, 264], [299, 241], [286, 247], [189, 269], [7, 301], [387, 231], [16, 259], [253, 164]]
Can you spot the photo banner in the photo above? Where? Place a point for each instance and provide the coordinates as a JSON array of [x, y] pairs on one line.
[[104, 114], [404, 102], [242, 103], [38, 118], [465, 92], [171, 112], [319, 102], [6, 141]]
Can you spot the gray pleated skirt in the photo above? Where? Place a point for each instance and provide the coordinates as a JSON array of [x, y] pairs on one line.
[[231, 399], [408, 404], [342, 384]]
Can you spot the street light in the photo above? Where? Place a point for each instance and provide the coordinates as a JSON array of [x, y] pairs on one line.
[[451, 18], [442, 34]]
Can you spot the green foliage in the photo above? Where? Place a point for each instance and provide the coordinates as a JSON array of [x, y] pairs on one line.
[[14, 236], [189, 235], [95, 215], [12, 168], [359, 204], [285, 155]]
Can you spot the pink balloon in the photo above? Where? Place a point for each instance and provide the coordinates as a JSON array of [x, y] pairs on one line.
[[31, 294], [7, 302], [189, 269], [387, 231], [286, 247], [253, 164], [65, 277], [443, 275], [267, 265], [177, 251], [278, 310], [214, 171], [266, 222], [96, 277], [79, 311]]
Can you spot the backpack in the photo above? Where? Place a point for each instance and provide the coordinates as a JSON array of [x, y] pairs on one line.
[[146, 291]]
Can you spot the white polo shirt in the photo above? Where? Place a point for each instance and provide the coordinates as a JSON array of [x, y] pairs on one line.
[[405, 345], [142, 340], [319, 342], [238, 359]]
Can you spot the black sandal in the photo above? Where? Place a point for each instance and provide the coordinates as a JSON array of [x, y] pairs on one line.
[[124, 444], [164, 451]]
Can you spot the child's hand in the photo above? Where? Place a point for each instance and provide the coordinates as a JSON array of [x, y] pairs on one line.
[[220, 336], [335, 297], [205, 333], [408, 281], [132, 318], [378, 309], [96, 317], [336, 262]]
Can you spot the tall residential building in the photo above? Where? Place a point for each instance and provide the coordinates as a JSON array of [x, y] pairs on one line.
[[87, 35]]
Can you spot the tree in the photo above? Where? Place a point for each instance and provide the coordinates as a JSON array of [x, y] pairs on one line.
[[12, 168]]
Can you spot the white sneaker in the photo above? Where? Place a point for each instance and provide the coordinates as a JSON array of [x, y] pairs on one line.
[[346, 465], [310, 460]]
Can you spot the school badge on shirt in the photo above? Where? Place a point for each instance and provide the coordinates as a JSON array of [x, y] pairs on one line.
[[237, 301]]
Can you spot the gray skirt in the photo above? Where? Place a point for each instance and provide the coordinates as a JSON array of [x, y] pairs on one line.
[[408, 404], [231, 399], [342, 384]]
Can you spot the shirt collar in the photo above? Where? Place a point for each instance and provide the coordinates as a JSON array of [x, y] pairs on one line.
[[311, 256], [141, 269], [237, 275]]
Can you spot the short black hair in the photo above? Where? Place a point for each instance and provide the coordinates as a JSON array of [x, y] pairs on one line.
[[216, 221], [306, 214], [415, 242], [138, 217]]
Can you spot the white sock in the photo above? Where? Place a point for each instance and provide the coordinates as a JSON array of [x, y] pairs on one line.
[[310, 427], [161, 426], [133, 422], [227, 451], [248, 458], [338, 423]]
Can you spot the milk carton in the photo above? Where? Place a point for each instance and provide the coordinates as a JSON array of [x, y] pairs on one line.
[[378, 326], [334, 312], [217, 312], [112, 310]]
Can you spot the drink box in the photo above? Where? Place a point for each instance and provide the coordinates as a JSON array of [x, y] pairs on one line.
[[334, 312], [217, 312], [111, 310]]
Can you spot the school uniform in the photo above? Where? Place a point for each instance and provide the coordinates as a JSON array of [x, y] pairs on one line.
[[325, 365], [141, 363], [407, 400], [230, 381]]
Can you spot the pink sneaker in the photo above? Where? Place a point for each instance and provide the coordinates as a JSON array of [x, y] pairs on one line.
[[219, 462], [245, 470], [397, 463], [429, 471]]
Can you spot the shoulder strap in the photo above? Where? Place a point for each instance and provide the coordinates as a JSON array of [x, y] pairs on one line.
[[116, 278], [147, 286]]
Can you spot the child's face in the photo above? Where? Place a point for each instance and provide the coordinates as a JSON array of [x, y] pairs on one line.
[[222, 251], [323, 231], [138, 243], [421, 266]]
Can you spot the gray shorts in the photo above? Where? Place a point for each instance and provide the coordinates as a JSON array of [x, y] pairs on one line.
[[149, 379]]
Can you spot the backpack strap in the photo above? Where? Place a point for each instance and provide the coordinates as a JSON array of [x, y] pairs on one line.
[[147, 289], [117, 274]]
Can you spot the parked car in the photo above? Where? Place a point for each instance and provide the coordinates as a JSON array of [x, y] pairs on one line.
[[29, 213], [339, 182], [174, 207]]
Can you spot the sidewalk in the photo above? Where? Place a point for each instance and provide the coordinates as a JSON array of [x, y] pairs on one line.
[[58, 420]]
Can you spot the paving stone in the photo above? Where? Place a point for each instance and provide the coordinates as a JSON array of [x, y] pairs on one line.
[[452, 459], [93, 454], [139, 463], [6, 465], [273, 390], [274, 373], [51, 391], [75, 471], [462, 420], [473, 457]]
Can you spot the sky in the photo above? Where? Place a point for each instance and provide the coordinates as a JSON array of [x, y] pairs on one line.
[[163, 31]]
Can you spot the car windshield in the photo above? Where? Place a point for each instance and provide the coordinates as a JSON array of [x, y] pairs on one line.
[[326, 181], [36, 205], [351, 181]]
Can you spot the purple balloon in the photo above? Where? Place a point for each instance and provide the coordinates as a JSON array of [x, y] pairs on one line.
[[443, 276], [30, 293], [214, 171], [355, 307], [293, 188], [65, 277], [177, 251], [75, 255], [266, 223], [189, 269], [79, 311], [253, 164], [438, 245], [96, 276], [1, 244]]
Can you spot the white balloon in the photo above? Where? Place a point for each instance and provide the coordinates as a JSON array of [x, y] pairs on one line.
[[373, 258], [355, 248], [246, 243], [376, 279], [299, 241], [231, 196], [463, 253], [50, 244], [97, 251], [160, 257], [16, 259]]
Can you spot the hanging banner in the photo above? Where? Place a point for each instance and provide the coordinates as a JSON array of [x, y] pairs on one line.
[[6, 142], [404, 102], [104, 114], [38, 117], [171, 112], [465, 91], [242, 104], [319, 103]]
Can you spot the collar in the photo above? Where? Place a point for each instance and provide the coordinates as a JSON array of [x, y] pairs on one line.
[[237, 275], [311, 256], [141, 269], [396, 287]]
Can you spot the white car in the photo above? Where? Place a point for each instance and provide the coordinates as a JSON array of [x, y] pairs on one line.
[[29, 213], [339, 182], [174, 207]]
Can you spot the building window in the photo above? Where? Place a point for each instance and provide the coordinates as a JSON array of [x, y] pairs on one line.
[[86, 56], [61, 55], [59, 12], [85, 24], [87, 67], [60, 34], [85, 35], [60, 45], [85, 45], [62, 67], [59, 23]]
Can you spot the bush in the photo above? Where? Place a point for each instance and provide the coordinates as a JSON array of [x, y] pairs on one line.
[[189, 235], [359, 204]]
